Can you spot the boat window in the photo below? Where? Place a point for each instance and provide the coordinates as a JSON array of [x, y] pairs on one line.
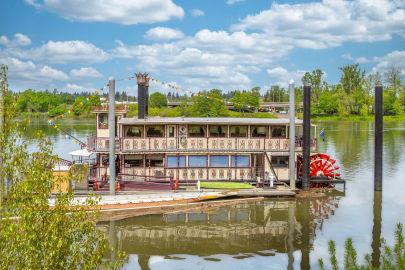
[[240, 161], [176, 161], [196, 131], [218, 131], [197, 161], [155, 131], [219, 161], [278, 132], [238, 131], [259, 131], [103, 121], [171, 130], [279, 161], [133, 161], [134, 131], [104, 160], [154, 161]]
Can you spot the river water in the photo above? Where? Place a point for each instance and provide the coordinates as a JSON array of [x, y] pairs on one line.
[[271, 234]]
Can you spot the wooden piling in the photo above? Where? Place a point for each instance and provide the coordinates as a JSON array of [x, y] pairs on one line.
[[378, 137], [306, 151]]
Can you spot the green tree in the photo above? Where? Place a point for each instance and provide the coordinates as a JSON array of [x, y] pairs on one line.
[[37, 234], [315, 79], [246, 100], [352, 82], [208, 104], [157, 100]]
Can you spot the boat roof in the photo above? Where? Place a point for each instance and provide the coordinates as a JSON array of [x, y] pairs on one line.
[[208, 120]]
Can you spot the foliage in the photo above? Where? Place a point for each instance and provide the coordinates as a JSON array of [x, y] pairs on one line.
[[34, 233], [246, 100], [208, 104], [391, 257], [157, 100], [276, 94]]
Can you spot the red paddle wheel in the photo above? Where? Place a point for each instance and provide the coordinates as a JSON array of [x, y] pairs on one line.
[[321, 167]]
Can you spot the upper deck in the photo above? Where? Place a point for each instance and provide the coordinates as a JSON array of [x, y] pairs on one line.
[[185, 134]]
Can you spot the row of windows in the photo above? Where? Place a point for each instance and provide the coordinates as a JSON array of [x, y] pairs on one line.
[[198, 131], [194, 161]]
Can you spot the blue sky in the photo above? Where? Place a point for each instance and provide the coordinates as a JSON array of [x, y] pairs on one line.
[[228, 44]]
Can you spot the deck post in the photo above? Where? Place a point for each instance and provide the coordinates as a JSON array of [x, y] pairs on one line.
[[111, 132], [306, 151], [378, 137], [292, 134]]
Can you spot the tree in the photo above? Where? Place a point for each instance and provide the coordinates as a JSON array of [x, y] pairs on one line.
[[157, 100], [246, 100], [314, 78], [352, 82], [208, 104], [34, 234]]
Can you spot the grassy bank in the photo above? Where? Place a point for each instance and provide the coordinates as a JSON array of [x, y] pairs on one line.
[[354, 118]]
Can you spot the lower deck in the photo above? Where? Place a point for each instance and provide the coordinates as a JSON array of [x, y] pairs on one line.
[[193, 167]]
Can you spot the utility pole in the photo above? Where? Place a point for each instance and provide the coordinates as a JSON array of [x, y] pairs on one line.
[[111, 132], [292, 134]]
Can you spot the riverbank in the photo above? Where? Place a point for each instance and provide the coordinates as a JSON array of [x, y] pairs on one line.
[[355, 118]]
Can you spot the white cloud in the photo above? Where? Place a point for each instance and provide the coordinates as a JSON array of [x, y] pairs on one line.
[[347, 56], [231, 2], [4, 40], [117, 11], [28, 74], [362, 60], [163, 33], [21, 39], [282, 77], [329, 23], [197, 13], [74, 87], [394, 59], [85, 72], [63, 52], [18, 40]]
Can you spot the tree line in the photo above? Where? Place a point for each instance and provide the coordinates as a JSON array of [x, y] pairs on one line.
[[352, 95]]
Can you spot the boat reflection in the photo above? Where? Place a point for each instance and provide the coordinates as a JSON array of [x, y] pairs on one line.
[[256, 229]]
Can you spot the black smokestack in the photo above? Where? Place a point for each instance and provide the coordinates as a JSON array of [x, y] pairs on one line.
[[306, 137], [143, 94]]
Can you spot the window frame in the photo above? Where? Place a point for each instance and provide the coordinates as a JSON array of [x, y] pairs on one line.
[[235, 165], [147, 127], [234, 126], [216, 166], [194, 156], [266, 131], [204, 128]]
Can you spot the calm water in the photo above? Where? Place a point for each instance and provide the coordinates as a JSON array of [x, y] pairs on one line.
[[272, 234]]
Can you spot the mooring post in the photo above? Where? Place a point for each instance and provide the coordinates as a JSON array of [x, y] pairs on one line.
[[376, 241], [378, 137], [111, 132], [306, 151], [292, 135]]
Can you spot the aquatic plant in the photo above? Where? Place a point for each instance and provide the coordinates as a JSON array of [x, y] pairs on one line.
[[391, 257]]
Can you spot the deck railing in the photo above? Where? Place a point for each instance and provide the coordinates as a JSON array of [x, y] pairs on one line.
[[129, 145]]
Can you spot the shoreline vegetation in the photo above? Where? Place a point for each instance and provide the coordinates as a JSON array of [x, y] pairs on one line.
[[351, 99]]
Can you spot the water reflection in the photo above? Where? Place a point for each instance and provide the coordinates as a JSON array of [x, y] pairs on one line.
[[243, 231]]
